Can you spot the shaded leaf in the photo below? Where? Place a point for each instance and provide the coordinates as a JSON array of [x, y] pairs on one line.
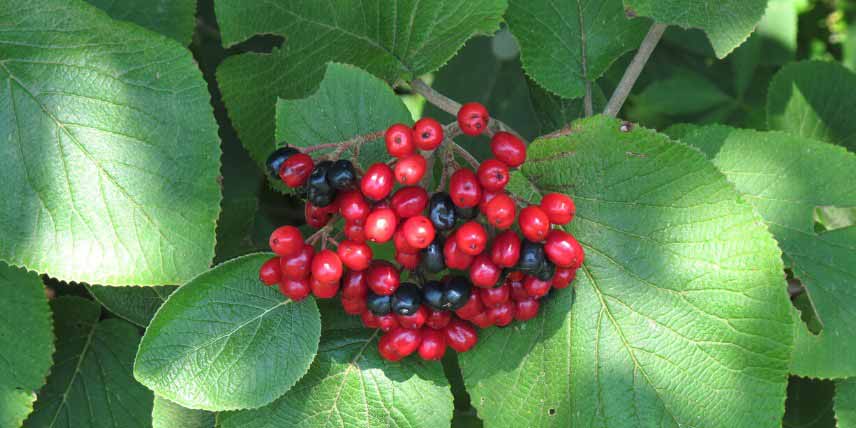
[[684, 93], [845, 403], [554, 112], [809, 404], [167, 414], [135, 304], [172, 18]]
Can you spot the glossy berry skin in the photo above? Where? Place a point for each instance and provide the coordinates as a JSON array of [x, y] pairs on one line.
[[383, 278], [493, 175], [316, 217], [560, 208], [493, 297], [433, 345], [377, 182], [298, 266], [277, 158], [464, 188], [418, 231], [486, 199], [471, 306], [295, 290], [409, 170], [270, 272], [502, 314], [460, 335], [483, 272], [369, 319], [525, 310], [295, 171], [453, 256], [342, 175], [431, 257], [355, 285], [406, 299], [355, 256], [409, 201], [535, 287], [518, 292], [437, 319], [531, 256], [355, 232], [562, 249], [433, 295], [353, 306], [286, 241], [319, 191], [482, 320], [379, 305], [534, 223], [323, 289], [380, 225], [353, 206], [427, 133], [545, 271], [407, 260], [473, 118], [387, 322], [508, 149], [399, 141], [515, 275], [327, 267], [399, 343], [563, 277], [505, 251], [441, 211], [471, 238], [400, 242], [415, 320]]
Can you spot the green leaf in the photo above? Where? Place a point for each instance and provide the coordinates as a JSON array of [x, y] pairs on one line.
[[91, 384], [680, 316], [135, 304], [845, 403], [108, 138], [224, 341], [172, 18], [566, 43], [25, 325], [813, 99], [684, 93], [785, 177], [350, 385], [777, 32], [352, 99], [554, 112], [727, 23], [235, 227], [167, 414], [809, 404], [391, 39]]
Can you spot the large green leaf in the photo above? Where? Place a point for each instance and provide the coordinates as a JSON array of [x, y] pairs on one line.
[[680, 317], [224, 341], [350, 385], [172, 18], [814, 99], [727, 23], [565, 43], [684, 93], [785, 177], [390, 38], [26, 343], [91, 385], [809, 404], [135, 304], [167, 414], [108, 138], [845, 403]]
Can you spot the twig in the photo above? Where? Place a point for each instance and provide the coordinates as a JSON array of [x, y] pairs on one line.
[[341, 146], [587, 103], [634, 69], [474, 163], [320, 233], [448, 161]]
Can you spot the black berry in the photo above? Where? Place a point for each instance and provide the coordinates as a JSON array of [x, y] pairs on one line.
[[433, 295], [441, 211], [546, 270], [341, 175], [406, 299], [457, 292], [277, 158], [319, 192], [531, 256], [432, 259], [379, 305]]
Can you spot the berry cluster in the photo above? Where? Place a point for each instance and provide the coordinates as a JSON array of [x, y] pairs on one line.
[[492, 271]]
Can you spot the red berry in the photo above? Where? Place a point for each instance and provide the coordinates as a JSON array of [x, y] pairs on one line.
[[386, 350], [323, 289], [399, 141], [409, 201], [407, 260], [297, 266], [380, 225], [482, 320], [502, 314], [473, 118], [471, 238], [427, 133], [353, 206], [355, 232], [400, 242], [487, 197], [369, 319], [327, 267], [563, 277], [399, 343], [415, 320], [535, 287], [453, 256], [558, 207], [353, 306], [506, 249], [508, 149], [493, 297], [355, 256], [377, 181], [296, 169], [270, 272], [563, 249], [516, 275], [534, 223], [500, 211], [464, 188], [383, 278], [354, 285], [286, 241], [438, 319], [418, 231], [433, 345], [387, 322], [525, 310], [493, 175], [483, 273], [518, 291], [472, 308], [295, 290], [460, 335], [409, 170], [315, 216]]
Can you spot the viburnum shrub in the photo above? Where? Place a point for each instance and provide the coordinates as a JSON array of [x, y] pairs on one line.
[[427, 214]]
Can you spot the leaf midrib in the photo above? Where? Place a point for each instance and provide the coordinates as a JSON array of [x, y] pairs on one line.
[[77, 369]]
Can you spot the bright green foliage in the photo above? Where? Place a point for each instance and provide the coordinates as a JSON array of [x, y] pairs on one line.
[[172, 18], [777, 32], [390, 38], [91, 383], [781, 175], [809, 404], [349, 102], [568, 42], [727, 23], [814, 99], [845, 403], [167, 414], [135, 304], [107, 137], [680, 316], [26, 343], [224, 341]]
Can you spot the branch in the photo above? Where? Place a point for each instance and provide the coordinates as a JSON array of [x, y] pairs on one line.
[[634, 69], [341, 146], [587, 103], [474, 163]]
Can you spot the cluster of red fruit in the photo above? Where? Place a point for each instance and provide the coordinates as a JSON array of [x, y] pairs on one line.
[[501, 277]]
